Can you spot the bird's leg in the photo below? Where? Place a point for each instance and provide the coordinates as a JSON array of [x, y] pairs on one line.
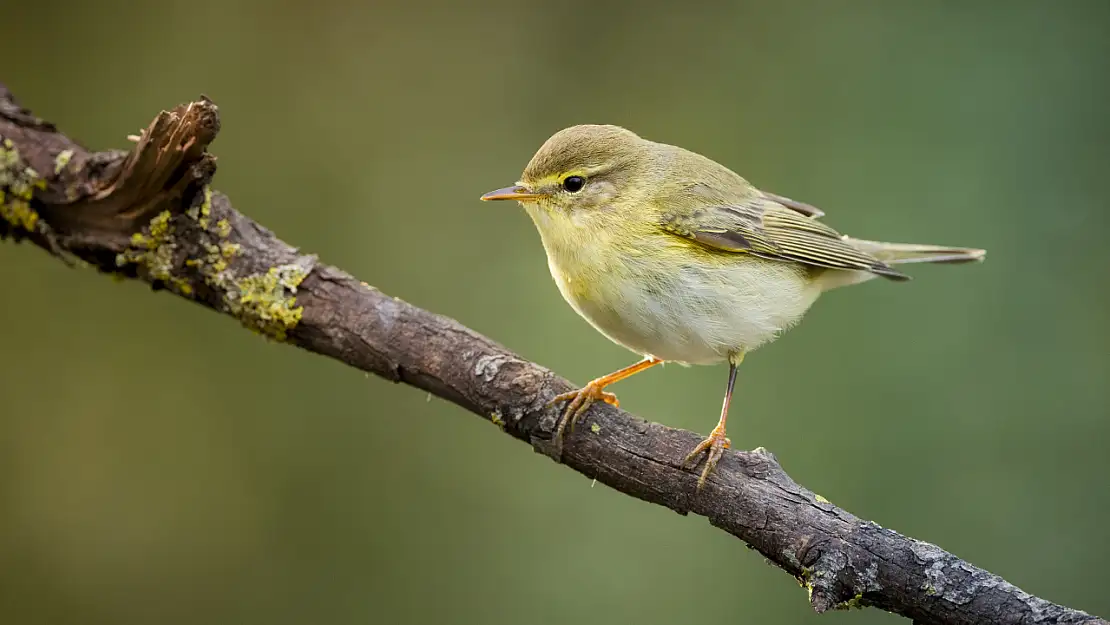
[[715, 445], [581, 399]]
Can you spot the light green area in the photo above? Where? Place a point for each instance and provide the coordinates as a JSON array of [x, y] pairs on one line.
[[855, 602], [154, 249], [160, 465], [62, 160], [17, 185], [263, 302]]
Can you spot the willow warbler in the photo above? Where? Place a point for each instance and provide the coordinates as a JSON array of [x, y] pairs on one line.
[[679, 259]]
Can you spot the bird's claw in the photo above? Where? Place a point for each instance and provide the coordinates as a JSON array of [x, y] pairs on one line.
[[713, 447], [580, 401]]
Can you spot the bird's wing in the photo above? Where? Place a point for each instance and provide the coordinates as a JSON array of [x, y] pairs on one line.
[[806, 209], [763, 226]]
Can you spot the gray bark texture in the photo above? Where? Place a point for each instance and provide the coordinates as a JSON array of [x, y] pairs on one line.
[[150, 214]]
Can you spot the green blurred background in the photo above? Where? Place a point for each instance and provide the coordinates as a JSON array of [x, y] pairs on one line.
[[159, 464]]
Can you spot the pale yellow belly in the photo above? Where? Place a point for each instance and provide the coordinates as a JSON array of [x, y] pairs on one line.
[[694, 315]]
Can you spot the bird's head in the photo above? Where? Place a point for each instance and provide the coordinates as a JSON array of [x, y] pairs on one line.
[[581, 168]]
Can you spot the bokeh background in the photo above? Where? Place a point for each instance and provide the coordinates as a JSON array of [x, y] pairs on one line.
[[159, 464]]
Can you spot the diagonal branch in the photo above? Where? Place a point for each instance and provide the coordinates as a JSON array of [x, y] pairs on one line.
[[150, 214]]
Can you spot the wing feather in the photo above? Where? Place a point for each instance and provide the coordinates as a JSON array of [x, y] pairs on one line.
[[766, 227]]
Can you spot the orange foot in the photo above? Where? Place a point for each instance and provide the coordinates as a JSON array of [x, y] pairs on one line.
[[580, 401], [714, 447]]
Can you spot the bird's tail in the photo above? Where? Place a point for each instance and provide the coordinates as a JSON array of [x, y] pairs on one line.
[[905, 253]]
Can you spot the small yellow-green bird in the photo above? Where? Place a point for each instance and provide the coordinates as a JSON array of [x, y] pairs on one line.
[[679, 259]]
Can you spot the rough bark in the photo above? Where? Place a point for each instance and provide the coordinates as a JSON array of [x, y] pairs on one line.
[[150, 214]]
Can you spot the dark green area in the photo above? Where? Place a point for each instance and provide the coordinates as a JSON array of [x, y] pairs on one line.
[[159, 464]]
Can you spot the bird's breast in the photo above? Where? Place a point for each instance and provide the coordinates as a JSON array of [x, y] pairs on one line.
[[655, 297]]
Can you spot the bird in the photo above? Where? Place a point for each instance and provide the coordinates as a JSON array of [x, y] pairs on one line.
[[677, 258]]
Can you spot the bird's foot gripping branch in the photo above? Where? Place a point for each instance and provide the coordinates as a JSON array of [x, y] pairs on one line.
[[150, 214]]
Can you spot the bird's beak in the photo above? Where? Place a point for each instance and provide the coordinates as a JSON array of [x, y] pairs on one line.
[[511, 193]]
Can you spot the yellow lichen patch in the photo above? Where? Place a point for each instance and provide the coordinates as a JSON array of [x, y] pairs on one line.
[[820, 499], [156, 235], [855, 602], [61, 160], [267, 302], [218, 255], [153, 250], [205, 208], [17, 185], [212, 265]]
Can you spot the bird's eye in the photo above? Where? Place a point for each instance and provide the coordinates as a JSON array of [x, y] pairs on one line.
[[574, 184]]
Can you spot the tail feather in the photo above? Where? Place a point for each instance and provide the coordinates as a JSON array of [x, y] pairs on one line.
[[905, 253]]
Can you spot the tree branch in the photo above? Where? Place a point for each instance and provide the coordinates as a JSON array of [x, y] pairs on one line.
[[150, 214]]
